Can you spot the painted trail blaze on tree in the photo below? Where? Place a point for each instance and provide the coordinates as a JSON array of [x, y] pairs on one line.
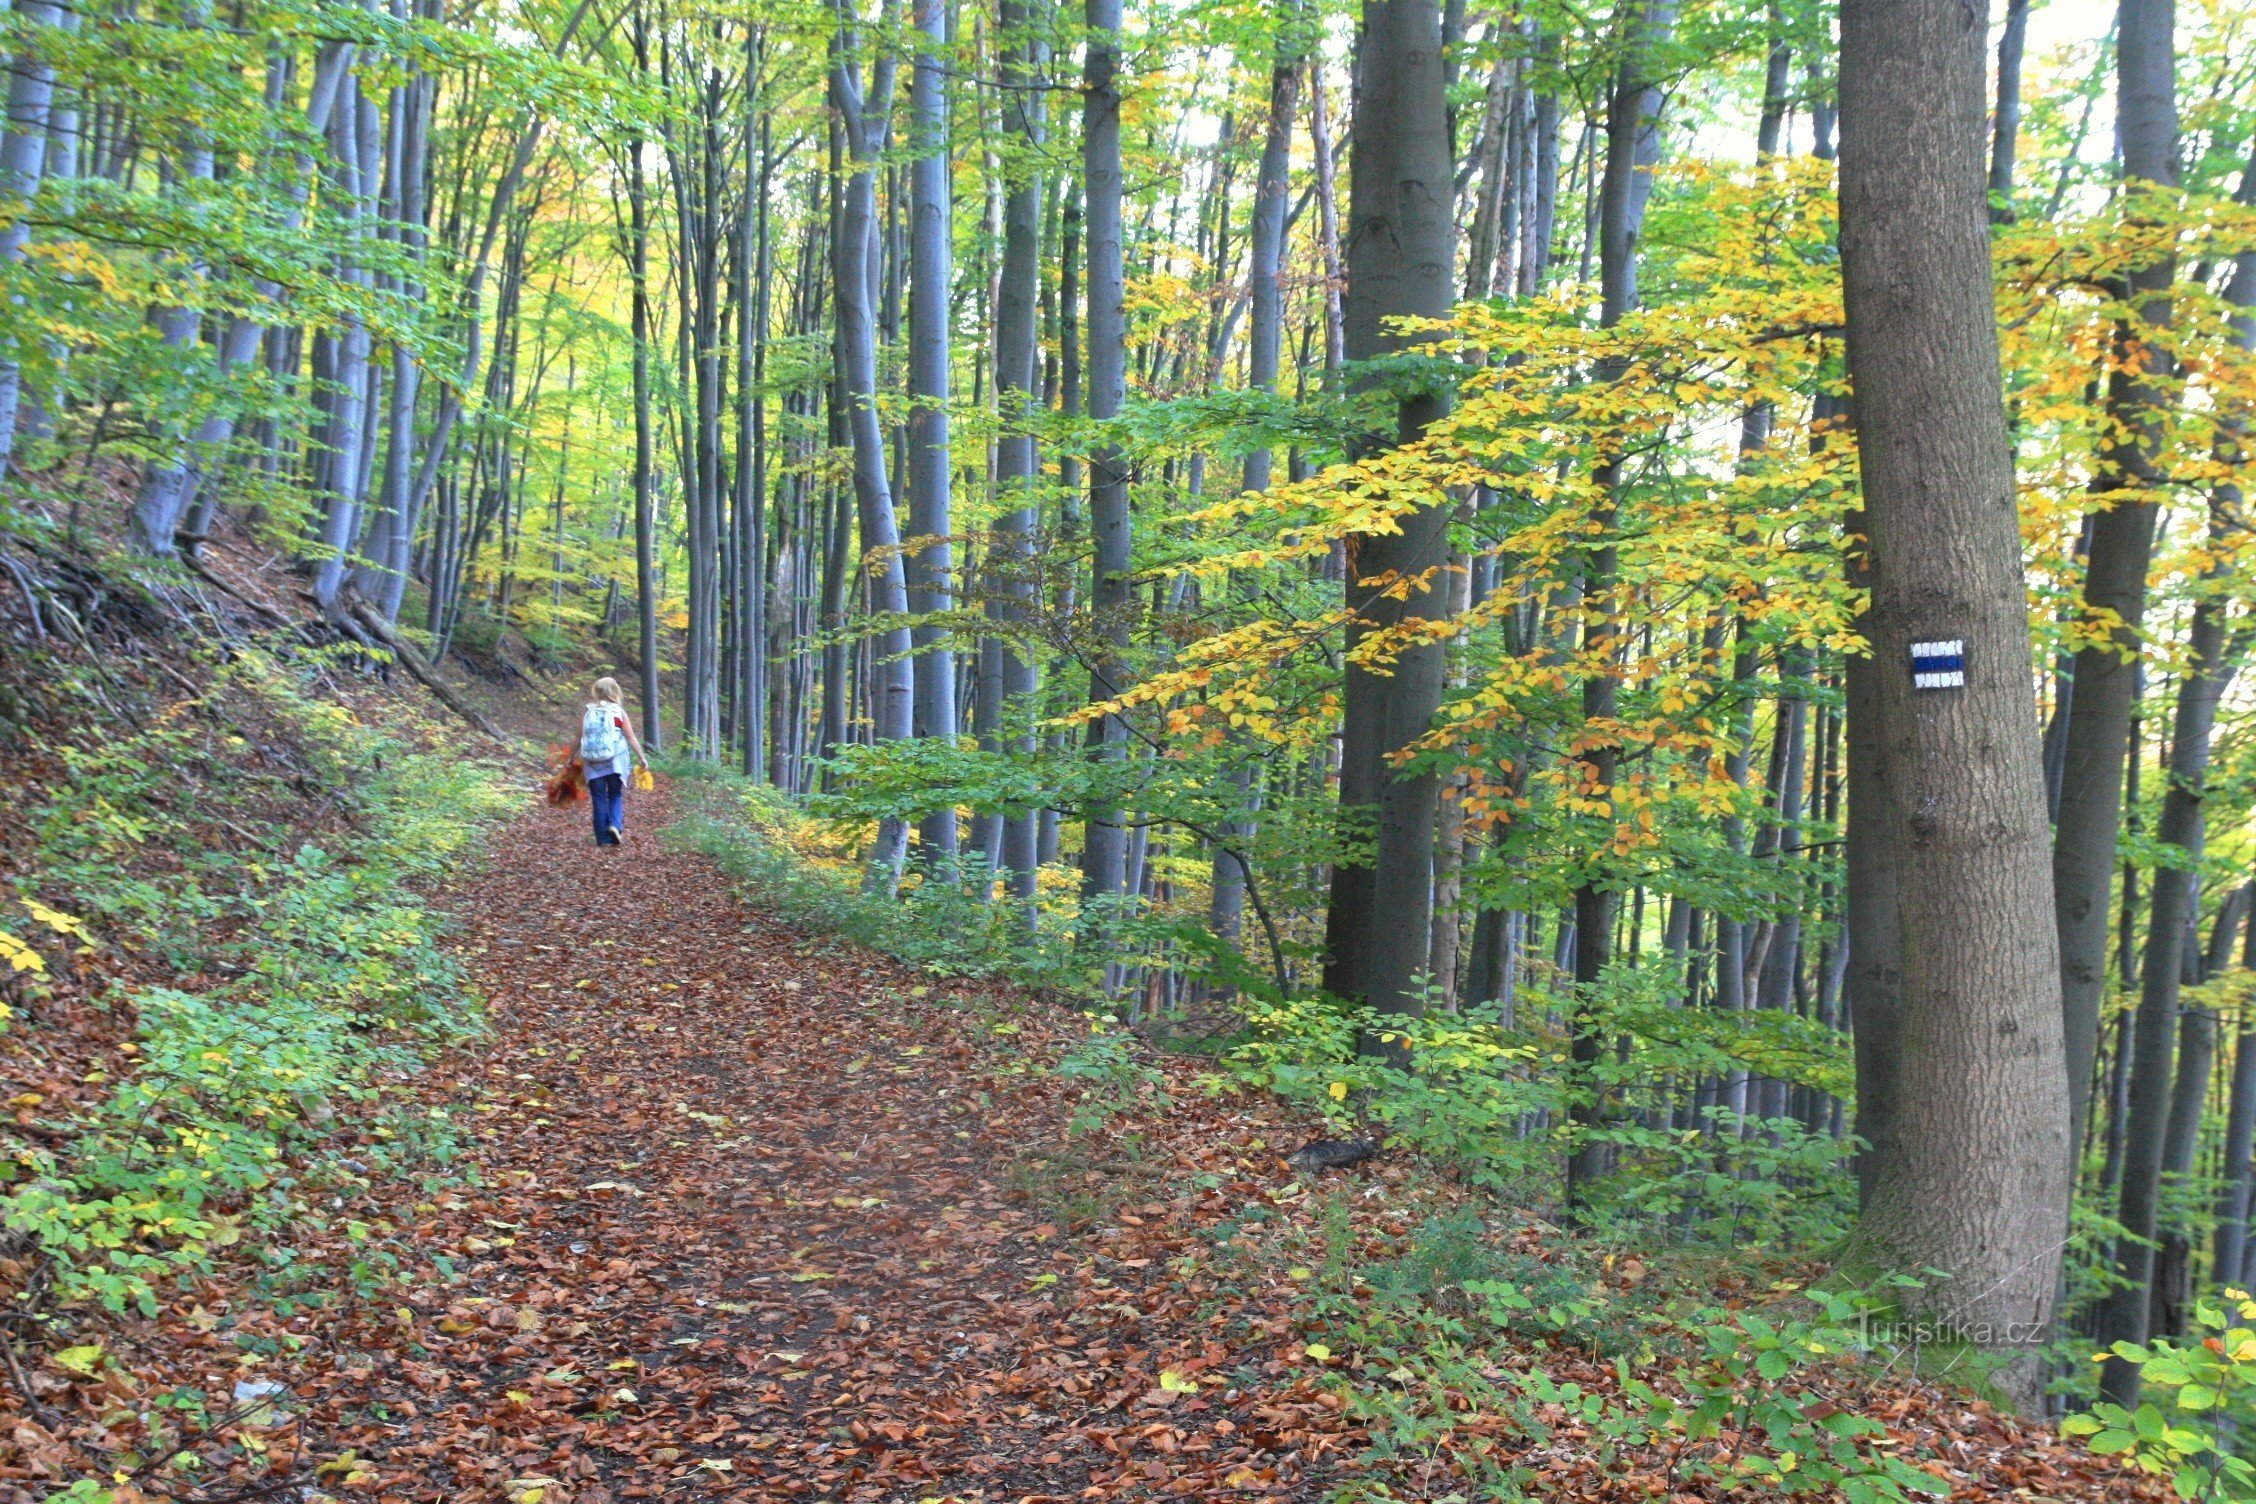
[[1939, 664]]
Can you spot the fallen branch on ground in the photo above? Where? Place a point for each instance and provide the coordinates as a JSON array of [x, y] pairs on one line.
[[411, 659]]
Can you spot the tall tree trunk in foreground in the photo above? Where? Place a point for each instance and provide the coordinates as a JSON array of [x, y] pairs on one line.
[[1976, 1178], [1400, 263], [2122, 546], [1018, 396], [895, 671], [931, 565], [645, 505], [1104, 852], [23, 160]]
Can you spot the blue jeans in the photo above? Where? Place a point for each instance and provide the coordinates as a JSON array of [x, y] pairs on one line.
[[608, 793]]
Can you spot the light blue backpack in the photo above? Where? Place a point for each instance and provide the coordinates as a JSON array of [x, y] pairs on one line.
[[600, 737]]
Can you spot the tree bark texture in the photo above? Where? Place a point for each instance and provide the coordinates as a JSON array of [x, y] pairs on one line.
[[1976, 1177], [1400, 261]]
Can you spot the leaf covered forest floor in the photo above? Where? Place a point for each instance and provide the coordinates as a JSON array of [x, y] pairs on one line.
[[745, 1213], [751, 1226], [764, 1217]]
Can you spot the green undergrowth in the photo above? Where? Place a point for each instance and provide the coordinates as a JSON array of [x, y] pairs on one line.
[[1465, 1349], [1707, 1359], [803, 869], [1482, 1091], [266, 852]]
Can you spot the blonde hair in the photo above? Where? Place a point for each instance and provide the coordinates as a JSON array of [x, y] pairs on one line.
[[607, 689]]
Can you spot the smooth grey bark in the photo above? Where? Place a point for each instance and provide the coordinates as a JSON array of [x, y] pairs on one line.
[[1265, 336], [1781, 962], [1018, 396], [36, 411], [1327, 224], [755, 268], [931, 562], [2162, 1124], [1541, 219], [162, 492], [1778, 77], [382, 577], [894, 671], [1731, 932], [645, 504], [1104, 852], [693, 150], [66, 125], [1047, 840], [1633, 109], [2005, 120], [2166, 1098], [1493, 158], [349, 437], [2234, 1199], [1976, 1175], [2229, 1264], [170, 486], [23, 162], [1445, 935], [2091, 783], [1401, 263]]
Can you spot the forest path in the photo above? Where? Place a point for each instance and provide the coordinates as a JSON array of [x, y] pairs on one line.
[[746, 1230]]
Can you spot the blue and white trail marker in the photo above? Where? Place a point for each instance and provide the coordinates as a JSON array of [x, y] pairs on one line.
[[1939, 665]]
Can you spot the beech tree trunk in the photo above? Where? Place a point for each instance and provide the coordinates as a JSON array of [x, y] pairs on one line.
[[1400, 257], [645, 520], [930, 566], [2005, 121], [1632, 149], [1265, 336], [2166, 1100], [1976, 1174], [755, 260], [2233, 1201], [382, 577], [23, 160], [1104, 852], [1018, 399], [2122, 547], [892, 702]]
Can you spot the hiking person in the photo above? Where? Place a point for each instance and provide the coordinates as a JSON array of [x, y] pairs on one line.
[[608, 749]]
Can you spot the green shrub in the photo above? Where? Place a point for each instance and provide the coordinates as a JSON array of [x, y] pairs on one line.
[[339, 984], [804, 870], [2203, 1394]]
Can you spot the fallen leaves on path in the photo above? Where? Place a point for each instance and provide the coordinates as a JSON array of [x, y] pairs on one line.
[[748, 1214], [748, 1230]]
